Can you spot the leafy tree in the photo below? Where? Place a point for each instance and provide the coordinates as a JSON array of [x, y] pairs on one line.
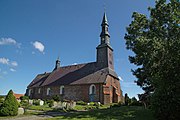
[[10, 105], [155, 40], [134, 99]]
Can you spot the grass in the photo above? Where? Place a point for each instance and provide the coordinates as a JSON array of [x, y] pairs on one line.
[[40, 108], [115, 113], [103, 113]]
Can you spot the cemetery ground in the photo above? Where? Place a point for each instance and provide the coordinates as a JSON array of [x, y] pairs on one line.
[[90, 112]]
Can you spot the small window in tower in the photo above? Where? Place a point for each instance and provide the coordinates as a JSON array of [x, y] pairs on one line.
[[110, 62], [61, 90]]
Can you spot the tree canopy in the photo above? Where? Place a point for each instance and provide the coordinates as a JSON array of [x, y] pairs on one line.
[[155, 41], [10, 105]]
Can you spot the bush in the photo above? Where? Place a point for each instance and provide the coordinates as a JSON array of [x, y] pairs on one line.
[[36, 102], [166, 105], [91, 103], [81, 103], [24, 103], [1, 100], [134, 102], [56, 98], [10, 105], [51, 103], [24, 98]]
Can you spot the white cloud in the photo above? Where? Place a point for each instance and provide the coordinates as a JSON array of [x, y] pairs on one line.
[[13, 70], [39, 46], [120, 78], [74, 64], [9, 41], [14, 63], [4, 61]]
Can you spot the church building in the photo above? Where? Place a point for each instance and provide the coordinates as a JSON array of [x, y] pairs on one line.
[[95, 81]]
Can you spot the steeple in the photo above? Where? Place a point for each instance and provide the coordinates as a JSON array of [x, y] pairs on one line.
[[57, 65], [104, 50], [105, 36]]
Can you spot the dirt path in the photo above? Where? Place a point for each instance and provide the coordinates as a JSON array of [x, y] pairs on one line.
[[35, 117], [31, 117]]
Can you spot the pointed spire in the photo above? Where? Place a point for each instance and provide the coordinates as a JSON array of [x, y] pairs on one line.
[[105, 36], [104, 21]]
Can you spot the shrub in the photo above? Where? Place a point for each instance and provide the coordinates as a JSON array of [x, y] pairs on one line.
[[51, 103], [1, 100], [56, 98], [91, 103], [10, 105], [24, 98], [81, 103], [36, 102], [134, 102], [24, 103]]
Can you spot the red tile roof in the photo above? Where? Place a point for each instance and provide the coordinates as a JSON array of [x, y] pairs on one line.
[[88, 73], [18, 95]]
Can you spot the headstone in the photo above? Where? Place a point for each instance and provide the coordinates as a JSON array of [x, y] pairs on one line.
[[99, 103], [20, 111], [41, 102], [31, 102], [72, 105]]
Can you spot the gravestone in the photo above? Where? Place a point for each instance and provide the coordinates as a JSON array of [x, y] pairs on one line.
[[20, 111], [41, 102]]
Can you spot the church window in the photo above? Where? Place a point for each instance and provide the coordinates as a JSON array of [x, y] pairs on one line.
[[92, 89], [30, 91], [61, 90], [39, 90], [48, 91]]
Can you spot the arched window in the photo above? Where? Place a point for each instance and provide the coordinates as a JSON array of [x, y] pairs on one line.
[[48, 91], [30, 91], [61, 90], [39, 90], [92, 89]]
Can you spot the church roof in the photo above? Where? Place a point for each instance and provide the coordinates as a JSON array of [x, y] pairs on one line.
[[88, 73]]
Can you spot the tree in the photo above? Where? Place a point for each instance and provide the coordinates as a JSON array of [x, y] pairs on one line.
[[127, 99], [155, 41], [10, 105]]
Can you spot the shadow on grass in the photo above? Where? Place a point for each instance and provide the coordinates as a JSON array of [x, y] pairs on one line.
[[117, 113]]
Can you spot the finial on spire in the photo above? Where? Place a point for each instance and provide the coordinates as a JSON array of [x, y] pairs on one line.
[[104, 21]]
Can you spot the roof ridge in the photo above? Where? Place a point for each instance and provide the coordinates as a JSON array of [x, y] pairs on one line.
[[72, 65]]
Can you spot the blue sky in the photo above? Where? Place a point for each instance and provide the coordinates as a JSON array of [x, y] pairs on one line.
[[33, 33]]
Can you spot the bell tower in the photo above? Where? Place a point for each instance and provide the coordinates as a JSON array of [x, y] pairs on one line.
[[104, 50]]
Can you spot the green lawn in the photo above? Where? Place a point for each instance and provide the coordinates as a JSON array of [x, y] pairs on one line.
[[115, 113], [40, 108]]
